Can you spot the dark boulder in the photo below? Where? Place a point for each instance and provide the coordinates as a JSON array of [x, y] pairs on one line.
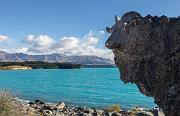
[[31, 103], [147, 53], [38, 102]]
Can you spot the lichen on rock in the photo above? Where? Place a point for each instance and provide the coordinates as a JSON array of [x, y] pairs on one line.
[[147, 53]]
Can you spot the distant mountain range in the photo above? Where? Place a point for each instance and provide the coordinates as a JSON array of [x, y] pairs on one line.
[[84, 59]]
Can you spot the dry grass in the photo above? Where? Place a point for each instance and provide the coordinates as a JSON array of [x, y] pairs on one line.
[[134, 111], [113, 108], [7, 108]]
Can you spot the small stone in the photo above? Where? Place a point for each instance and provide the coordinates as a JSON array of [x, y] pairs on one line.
[[61, 105], [47, 107], [100, 112], [31, 103], [94, 114], [88, 110], [81, 114], [38, 102], [106, 114], [48, 111], [145, 113], [80, 108], [116, 114]]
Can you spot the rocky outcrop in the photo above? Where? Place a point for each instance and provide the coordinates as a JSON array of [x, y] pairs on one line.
[[147, 52]]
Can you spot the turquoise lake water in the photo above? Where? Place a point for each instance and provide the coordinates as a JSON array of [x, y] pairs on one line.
[[90, 87]]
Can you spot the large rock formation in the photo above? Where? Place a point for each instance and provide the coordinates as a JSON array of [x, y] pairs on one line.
[[147, 52]]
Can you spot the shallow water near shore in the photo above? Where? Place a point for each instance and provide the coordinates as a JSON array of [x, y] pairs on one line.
[[90, 87]]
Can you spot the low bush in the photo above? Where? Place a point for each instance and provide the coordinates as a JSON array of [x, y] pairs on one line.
[[113, 108], [134, 111]]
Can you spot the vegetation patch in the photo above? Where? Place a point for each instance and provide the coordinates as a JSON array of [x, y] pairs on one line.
[[7, 108], [135, 111], [113, 108]]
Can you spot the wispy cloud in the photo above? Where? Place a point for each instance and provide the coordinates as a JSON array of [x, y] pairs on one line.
[[3, 37]]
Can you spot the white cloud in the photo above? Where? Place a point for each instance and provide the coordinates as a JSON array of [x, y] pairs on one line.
[[15, 50], [43, 44], [39, 44], [6, 43], [85, 46], [38, 41], [3, 38], [102, 32], [21, 50], [91, 38], [68, 42]]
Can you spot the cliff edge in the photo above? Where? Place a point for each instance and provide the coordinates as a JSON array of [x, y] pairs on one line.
[[147, 53]]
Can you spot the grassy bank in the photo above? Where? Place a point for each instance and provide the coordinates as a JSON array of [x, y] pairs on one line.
[[13, 107], [7, 107]]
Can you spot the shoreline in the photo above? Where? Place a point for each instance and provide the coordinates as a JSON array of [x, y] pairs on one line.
[[38, 107], [70, 104], [14, 67]]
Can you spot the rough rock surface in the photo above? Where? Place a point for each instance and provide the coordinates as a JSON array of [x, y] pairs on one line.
[[147, 52]]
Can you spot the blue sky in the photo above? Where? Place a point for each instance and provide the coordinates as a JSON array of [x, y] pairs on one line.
[[78, 19]]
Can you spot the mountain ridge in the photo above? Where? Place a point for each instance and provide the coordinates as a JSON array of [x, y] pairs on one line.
[[55, 57]]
